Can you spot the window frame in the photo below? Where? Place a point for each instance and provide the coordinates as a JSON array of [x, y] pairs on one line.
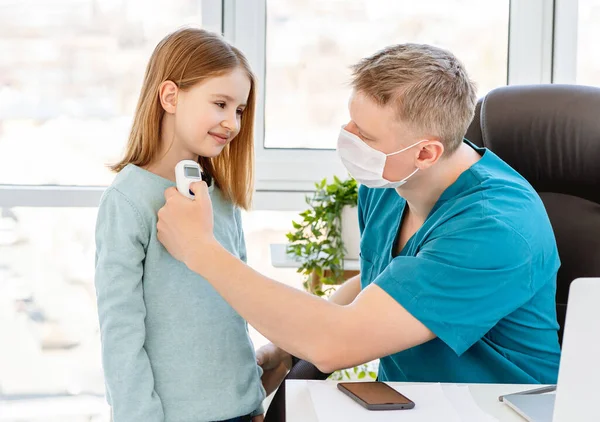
[[542, 36], [531, 24], [566, 28]]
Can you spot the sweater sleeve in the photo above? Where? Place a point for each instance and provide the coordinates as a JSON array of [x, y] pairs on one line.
[[121, 241], [244, 257], [242, 239]]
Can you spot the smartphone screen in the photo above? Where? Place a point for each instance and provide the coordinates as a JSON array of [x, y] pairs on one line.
[[374, 393]]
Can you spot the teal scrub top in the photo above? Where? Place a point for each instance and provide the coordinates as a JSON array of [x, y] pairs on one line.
[[480, 274]]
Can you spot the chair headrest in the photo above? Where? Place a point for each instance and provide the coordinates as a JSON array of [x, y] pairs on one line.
[[550, 134]]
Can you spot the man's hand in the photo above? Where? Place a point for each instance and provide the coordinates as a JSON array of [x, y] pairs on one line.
[[185, 225], [275, 363]]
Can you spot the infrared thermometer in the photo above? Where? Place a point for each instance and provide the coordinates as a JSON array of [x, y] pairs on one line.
[[186, 173]]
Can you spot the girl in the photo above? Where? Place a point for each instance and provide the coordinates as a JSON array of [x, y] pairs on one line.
[[173, 350]]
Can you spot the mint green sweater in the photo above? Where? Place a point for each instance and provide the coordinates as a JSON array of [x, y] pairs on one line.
[[172, 349]]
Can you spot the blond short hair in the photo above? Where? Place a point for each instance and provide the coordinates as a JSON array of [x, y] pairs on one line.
[[427, 85], [187, 57]]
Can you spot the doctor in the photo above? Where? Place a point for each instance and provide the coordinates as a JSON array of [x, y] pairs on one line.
[[458, 257]]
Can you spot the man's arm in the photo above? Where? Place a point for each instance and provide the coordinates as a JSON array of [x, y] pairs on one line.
[[309, 327], [347, 292], [322, 332]]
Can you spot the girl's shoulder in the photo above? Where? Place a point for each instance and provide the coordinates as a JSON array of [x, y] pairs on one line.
[[141, 189]]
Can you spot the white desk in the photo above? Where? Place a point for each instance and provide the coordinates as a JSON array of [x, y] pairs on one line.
[[299, 407], [280, 259]]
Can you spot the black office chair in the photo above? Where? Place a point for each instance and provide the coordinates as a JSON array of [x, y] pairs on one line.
[[550, 134]]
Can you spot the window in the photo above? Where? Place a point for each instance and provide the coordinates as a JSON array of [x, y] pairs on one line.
[[69, 81], [72, 69], [588, 61], [48, 311], [311, 44], [261, 229], [301, 52], [70, 76]]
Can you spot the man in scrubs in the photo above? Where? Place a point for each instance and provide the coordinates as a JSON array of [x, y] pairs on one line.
[[458, 257]]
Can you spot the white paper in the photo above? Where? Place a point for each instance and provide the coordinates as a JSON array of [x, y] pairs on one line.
[[464, 404], [431, 404]]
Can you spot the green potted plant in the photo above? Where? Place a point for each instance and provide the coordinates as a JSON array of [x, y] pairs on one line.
[[326, 234], [317, 239]]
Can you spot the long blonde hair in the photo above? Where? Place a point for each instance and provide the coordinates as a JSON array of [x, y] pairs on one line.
[[187, 57]]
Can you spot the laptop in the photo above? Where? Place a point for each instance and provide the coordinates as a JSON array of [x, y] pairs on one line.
[[532, 407], [578, 386]]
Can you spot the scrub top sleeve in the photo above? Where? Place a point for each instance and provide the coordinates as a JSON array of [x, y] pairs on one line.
[[460, 284]]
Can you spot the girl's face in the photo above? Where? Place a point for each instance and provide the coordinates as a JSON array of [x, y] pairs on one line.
[[208, 116]]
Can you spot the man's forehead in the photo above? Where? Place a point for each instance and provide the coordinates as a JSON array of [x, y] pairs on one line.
[[363, 103], [370, 116]]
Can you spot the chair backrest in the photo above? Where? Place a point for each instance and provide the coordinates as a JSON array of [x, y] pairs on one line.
[[550, 134]]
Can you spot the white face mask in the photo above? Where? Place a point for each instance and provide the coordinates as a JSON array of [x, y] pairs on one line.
[[365, 163]]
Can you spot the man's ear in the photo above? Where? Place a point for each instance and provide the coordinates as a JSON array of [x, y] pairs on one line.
[[168, 92], [430, 153]]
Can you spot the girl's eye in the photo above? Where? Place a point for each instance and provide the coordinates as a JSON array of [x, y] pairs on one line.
[[240, 111], [221, 105]]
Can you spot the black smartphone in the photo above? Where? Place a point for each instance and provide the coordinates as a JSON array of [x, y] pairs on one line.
[[375, 395]]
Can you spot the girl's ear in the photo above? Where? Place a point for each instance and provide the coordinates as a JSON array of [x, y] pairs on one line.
[[167, 92]]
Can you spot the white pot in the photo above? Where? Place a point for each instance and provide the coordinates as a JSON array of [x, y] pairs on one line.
[[350, 232]]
